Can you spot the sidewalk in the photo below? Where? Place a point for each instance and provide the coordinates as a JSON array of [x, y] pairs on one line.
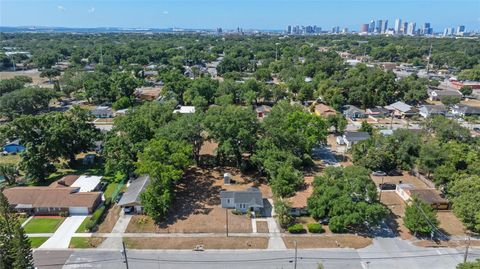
[[275, 242], [115, 242]]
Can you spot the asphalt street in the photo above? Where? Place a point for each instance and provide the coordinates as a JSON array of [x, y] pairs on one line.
[[390, 253]]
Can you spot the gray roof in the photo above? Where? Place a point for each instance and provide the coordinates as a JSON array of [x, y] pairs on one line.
[[401, 106], [135, 188], [434, 109], [467, 110], [352, 109], [101, 110], [448, 93], [251, 196], [356, 136]]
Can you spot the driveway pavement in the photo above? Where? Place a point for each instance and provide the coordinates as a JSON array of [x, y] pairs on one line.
[[61, 238], [120, 227]]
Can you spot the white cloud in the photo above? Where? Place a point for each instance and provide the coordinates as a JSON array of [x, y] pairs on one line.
[[165, 12], [61, 8], [91, 10]]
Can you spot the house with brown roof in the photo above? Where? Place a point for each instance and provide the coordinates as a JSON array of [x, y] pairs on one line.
[[298, 202], [52, 201], [324, 110], [429, 196], [148, 93], [72, 194]]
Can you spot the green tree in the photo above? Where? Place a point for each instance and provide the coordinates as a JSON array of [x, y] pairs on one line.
[[451, 100], [286, 181], [469, 265], [15, 248], [366, 127], [25, 101], [50, 73], [466, 90], [234, 128], [420, 217], [9, 172], [465, 196], [282, 211], [163, 161]]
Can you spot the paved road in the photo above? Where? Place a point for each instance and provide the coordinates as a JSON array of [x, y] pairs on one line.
[[388, 253], [61, 237]]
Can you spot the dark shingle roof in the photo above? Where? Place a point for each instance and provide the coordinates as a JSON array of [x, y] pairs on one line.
[[356, 136], [251, 196]]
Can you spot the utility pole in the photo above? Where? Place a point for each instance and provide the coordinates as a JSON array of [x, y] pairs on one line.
[[381, 186], [429, 55], [295, 261], [465, 257], [226, 220], [124, 252]]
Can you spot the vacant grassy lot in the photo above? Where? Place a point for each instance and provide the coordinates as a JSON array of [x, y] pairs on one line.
[[43, 225], [110, 189], [36, 242], [197, 208], [333, 241], [85, 242], [190, 243]]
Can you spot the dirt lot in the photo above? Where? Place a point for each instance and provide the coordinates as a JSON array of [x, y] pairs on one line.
[[34, 74], [456, 244], [450, 224], [262, 227], [190, 243], [334, 241], [397, 207], [405, 178], [110, 220], [197, 206]]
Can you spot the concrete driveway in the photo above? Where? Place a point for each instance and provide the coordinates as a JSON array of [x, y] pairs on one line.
[[61, 237]]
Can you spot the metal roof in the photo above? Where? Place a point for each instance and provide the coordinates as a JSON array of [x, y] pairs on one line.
[[134, 189]]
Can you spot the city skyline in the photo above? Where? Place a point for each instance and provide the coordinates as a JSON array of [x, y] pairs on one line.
[[230, 14]]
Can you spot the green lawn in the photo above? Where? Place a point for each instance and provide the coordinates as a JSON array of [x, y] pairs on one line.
[[110, 189], [42, 225], [10, 159], [35, 242], [82, 228]]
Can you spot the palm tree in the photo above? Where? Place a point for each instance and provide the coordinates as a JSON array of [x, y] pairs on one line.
[[9, 172]]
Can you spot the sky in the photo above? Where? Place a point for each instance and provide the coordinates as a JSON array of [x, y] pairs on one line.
[[230, 14]]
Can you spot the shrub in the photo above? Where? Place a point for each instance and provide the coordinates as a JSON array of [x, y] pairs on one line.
[[296, 229], [90, 226], [64, 214], [315, 228], [236, 212]]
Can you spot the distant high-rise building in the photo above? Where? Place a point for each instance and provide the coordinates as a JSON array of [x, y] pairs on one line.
[[364, 28], [404, 28], [411, 29], [371, 28], [219, 30], [398, 25], [378, 26], [384, 27], [460, 30], [289, 30], [344, 30], [336, 30], [427, 30], [317, 29]]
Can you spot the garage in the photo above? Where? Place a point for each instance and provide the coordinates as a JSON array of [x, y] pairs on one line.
[[78, 210]]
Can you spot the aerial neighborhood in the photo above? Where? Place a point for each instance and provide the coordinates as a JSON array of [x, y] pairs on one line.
[[239, 141]]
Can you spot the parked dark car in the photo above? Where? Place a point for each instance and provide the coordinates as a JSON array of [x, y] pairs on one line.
[[395, 173], [324, 221], [387, 186], [476, 129]]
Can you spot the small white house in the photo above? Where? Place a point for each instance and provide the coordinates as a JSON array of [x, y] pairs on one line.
[[185, 110], [250, 199]]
